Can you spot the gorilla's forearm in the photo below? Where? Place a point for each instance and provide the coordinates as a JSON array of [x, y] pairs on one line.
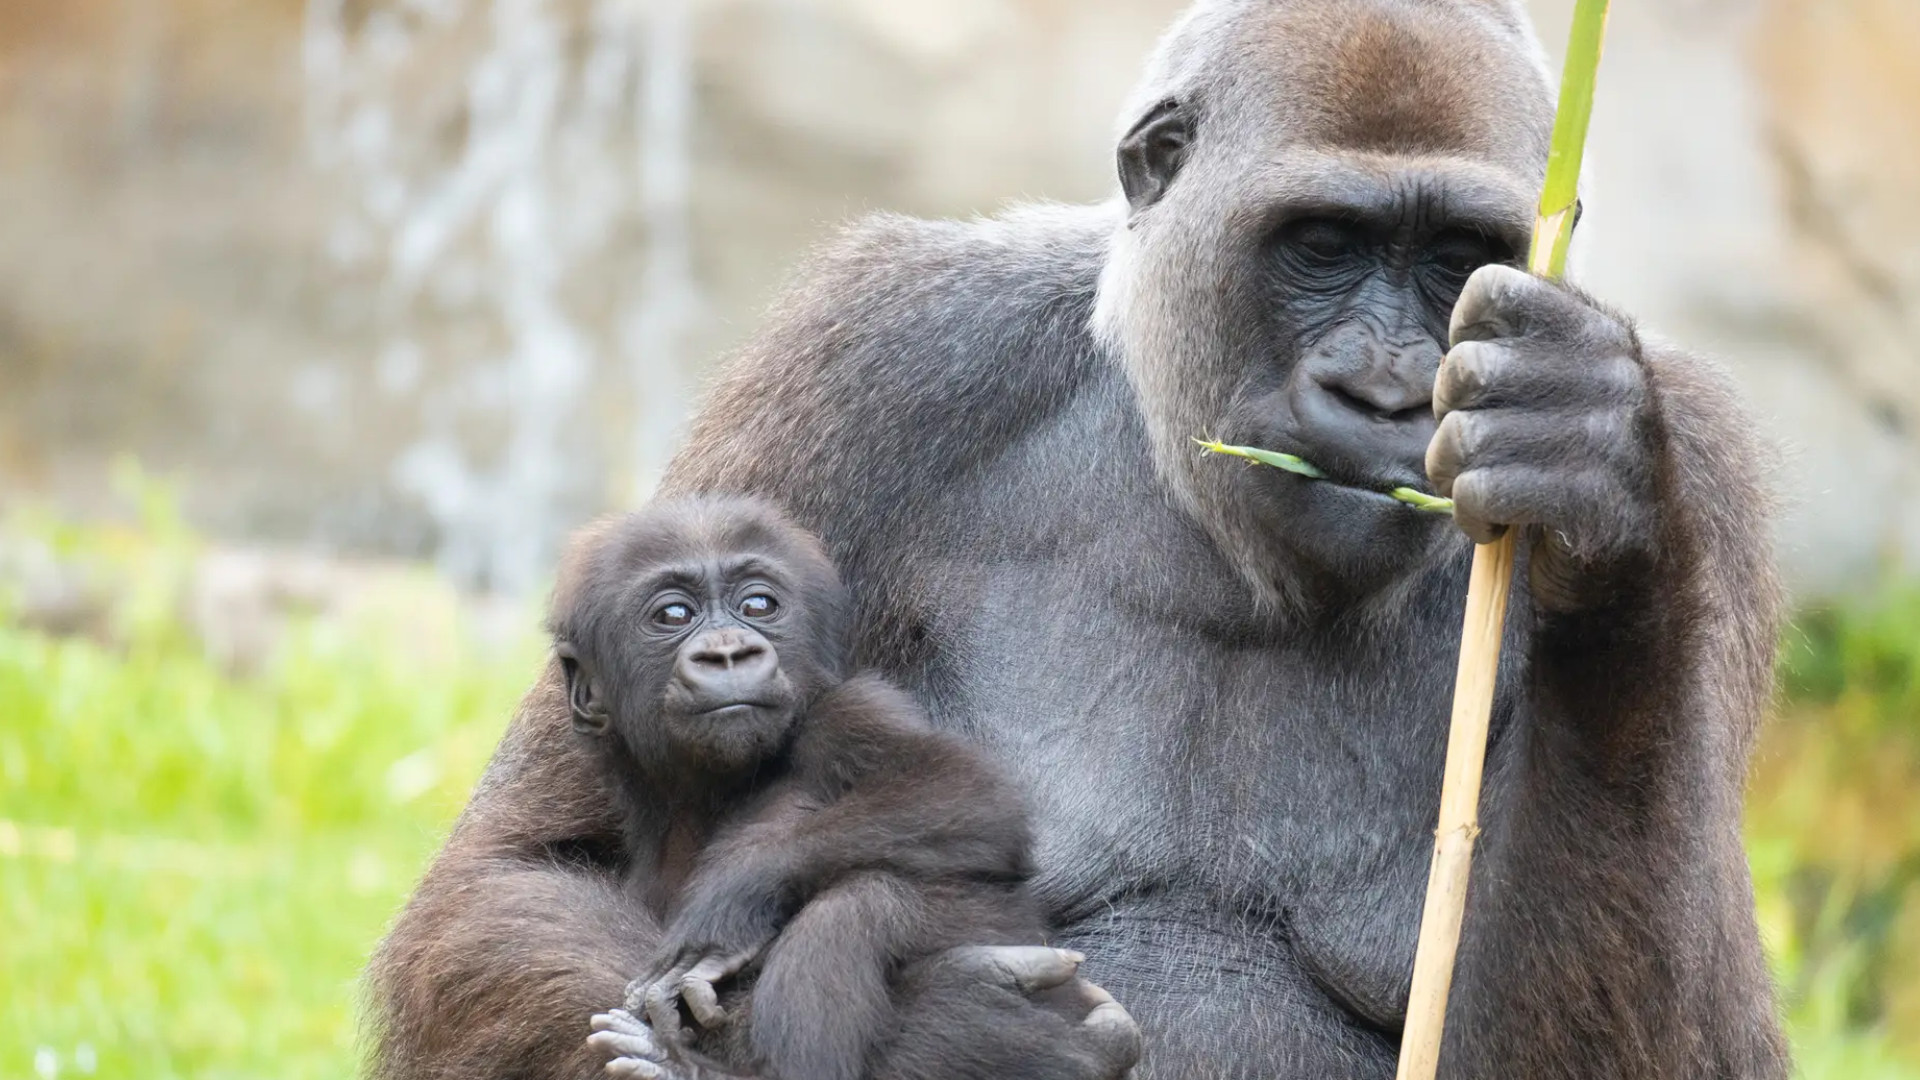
[[494, 970], [1611, 912], [1681, 648], [517, 936]]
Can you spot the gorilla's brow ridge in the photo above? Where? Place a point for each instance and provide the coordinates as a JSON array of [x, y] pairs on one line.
[[695, 571], [1441, 191]]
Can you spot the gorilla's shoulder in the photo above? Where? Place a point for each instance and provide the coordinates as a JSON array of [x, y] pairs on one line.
[[1037, 242], [963, 287], [929, 342]]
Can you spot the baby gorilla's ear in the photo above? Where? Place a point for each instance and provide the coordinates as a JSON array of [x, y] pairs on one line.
[[589, 712]]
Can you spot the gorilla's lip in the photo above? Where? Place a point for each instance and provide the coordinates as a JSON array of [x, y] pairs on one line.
[[1336, 473], [718, 712], [1377, 487]]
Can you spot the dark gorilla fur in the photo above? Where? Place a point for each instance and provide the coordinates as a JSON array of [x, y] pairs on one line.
[[1226, 689], [806, 833]]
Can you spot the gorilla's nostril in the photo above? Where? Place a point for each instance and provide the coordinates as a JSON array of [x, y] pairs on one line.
[[1383, 404], [1353, 401], [727, 657]]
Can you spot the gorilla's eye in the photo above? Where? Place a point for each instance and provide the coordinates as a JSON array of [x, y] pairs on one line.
[[1322, 240], [759, 606], [1459, 253], [674, 614]]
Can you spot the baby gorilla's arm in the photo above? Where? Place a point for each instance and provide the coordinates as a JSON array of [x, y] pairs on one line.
[[874, 790]]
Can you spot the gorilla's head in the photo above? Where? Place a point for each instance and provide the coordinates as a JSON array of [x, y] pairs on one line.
[[696, 632], [1308, 185]]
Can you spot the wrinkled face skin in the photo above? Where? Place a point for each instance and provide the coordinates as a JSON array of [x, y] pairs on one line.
[[697, 632], [1351, 293], [1306, 197]]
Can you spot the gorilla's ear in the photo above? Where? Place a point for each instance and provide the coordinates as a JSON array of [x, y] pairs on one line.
[[1151, 154], [589, 713]]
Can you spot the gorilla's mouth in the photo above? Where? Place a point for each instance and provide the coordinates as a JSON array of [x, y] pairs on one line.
[[1380, 487], [1371, 490], [1391, 492], [733, 710], [1402, 489]]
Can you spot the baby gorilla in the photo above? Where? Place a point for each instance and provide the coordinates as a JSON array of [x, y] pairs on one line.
[[803, 836]]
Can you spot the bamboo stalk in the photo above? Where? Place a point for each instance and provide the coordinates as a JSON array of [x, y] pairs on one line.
[[1487, 591]]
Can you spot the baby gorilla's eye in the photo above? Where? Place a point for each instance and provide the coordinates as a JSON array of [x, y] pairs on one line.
[[675, 614], [759, 606]]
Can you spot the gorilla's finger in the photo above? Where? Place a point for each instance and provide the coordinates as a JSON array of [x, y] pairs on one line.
[[663, 1008], [1487, 305], [617, 1044], [1577, 440], [619, 1020], [1451, 450], [1480, 507], [1577, 503], [1465, 374], [1514, 372], [1114, 1035], [635, 1067], [619, 1033], [696, 988], [1026, 968], [702, 1002]]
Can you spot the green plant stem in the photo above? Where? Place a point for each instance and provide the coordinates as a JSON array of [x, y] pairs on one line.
[[1444, 909], [1419, 500]]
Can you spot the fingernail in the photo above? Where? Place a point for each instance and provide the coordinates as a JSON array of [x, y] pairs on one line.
[[1073, 956]]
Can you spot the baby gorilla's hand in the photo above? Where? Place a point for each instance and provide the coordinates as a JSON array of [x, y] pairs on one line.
[[688, 976]]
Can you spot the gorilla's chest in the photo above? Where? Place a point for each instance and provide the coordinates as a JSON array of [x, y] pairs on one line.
[[1274, 798]]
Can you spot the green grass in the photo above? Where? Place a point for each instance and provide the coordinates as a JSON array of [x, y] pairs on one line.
[[194, 864], [193, 867]]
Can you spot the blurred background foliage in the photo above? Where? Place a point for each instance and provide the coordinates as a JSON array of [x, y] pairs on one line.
[[199, 845], [197, 855]]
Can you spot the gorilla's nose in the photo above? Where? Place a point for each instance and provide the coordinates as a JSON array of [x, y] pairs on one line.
[[1368, 418], [728, 666], [1379, 394]]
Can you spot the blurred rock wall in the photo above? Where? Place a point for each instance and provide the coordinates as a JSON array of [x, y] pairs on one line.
[[402, 276]]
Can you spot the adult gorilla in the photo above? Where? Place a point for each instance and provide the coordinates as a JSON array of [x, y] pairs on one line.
[[1227, 687]]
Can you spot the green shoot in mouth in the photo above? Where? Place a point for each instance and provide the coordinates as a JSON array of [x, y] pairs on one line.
[[1419, 500]]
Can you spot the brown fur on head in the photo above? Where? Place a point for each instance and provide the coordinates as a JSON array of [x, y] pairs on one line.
[[1287, 104]]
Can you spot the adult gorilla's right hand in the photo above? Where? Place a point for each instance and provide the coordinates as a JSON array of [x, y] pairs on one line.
[[981, 1011]]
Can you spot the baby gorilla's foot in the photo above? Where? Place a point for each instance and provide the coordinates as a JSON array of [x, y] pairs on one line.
[[691, 980]]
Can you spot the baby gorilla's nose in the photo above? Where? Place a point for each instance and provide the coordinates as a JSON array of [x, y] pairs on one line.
[[730, 649], [730, 666]]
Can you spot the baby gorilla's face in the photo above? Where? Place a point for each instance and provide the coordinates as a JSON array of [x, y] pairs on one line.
[[696, 633], [727, 702]]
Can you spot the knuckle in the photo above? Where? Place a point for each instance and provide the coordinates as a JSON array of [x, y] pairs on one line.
[[1456, 441], [1496, 282], [1469, 493], [1625, 379], [1605, 430], [1462, 375]]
